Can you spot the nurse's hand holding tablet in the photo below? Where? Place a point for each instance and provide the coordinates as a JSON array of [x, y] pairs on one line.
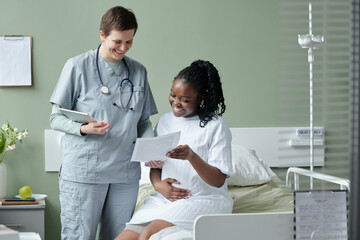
[[98, 127], [91, 126]]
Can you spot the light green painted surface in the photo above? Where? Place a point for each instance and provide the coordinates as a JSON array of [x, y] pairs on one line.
[[239, 37]]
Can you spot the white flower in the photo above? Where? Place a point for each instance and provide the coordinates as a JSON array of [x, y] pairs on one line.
[[9, 137], [9, 148]]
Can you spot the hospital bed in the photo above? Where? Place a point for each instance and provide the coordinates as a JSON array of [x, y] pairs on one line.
[[261, 199]]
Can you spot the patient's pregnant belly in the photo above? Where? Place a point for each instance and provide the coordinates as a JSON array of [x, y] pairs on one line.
[[183, 172]]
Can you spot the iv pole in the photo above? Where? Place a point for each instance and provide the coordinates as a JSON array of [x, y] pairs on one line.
[[311, 42]]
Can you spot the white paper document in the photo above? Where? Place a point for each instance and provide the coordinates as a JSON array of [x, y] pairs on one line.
[[155, 148]]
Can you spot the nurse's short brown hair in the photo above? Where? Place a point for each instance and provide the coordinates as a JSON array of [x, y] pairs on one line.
[[118, 18]]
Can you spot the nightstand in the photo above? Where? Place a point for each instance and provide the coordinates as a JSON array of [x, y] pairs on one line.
[[24, 218]]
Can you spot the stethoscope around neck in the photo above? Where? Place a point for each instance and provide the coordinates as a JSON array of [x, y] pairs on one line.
[[105, 90]]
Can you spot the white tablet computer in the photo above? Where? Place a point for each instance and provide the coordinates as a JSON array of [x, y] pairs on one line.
[[77, 116]]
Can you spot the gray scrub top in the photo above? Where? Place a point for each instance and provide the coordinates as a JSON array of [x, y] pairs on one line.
[[102, 158]]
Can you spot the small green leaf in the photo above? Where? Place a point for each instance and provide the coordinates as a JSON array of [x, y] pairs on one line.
[[2, 141]]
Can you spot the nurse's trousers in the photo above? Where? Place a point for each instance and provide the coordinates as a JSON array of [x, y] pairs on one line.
[[84, 206]]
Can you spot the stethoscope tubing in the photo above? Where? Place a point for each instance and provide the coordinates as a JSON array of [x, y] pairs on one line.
[[105, 90]]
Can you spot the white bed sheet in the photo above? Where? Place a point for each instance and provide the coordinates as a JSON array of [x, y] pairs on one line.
[[273, 196]]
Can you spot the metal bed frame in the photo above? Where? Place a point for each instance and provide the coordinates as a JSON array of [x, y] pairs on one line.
[[233, 226], [296, 172]]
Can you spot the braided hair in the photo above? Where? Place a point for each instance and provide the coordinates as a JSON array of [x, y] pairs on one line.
[[205, 79]]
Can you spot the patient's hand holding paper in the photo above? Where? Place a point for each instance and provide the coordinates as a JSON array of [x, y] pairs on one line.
[[155, 164], [155, 148]]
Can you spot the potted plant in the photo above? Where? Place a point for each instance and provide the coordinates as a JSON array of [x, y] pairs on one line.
[[8, 138]]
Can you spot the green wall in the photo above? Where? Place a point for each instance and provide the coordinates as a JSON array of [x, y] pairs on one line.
[[239, 37]]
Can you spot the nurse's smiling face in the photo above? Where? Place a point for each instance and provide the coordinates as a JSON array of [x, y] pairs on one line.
[[116, 44], [183, 99]]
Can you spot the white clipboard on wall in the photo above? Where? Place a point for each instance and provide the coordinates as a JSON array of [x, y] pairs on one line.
[[15, 61]]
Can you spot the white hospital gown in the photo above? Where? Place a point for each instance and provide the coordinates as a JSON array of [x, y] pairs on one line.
[[213, 144]]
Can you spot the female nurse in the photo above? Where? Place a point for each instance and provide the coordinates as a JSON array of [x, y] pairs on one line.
[[98, 184]]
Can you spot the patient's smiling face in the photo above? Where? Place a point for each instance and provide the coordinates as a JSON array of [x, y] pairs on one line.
[[183, 99]]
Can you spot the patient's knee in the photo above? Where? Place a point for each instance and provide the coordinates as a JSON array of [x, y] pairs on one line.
[[154, 227], [127, 235]]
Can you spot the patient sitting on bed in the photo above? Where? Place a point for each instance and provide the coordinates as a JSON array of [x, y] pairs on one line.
[[192, 181]]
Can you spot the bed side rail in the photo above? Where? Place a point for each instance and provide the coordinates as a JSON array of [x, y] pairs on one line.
[[344, 183]]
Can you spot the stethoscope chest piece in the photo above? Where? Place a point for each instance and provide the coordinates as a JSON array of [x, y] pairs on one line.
[[104, 89]]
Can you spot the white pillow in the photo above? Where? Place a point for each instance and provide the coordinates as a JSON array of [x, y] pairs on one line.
[[248, 169]]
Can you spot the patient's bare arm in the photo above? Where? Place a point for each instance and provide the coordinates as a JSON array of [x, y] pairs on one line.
[[210, 174], [166, 188]]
